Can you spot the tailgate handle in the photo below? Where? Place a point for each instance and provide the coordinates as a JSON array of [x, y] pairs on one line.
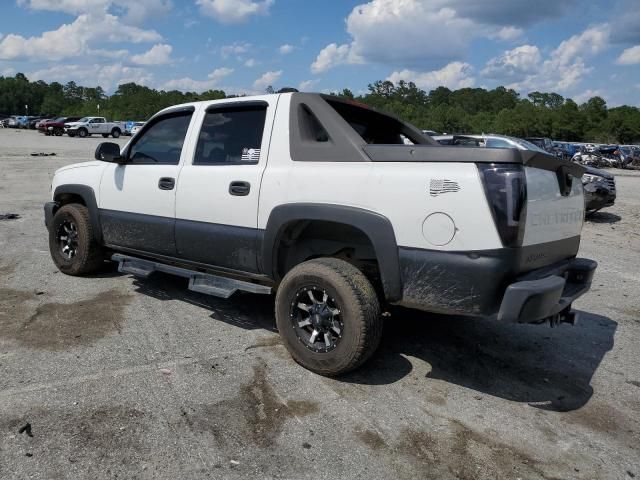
[[239, 189]]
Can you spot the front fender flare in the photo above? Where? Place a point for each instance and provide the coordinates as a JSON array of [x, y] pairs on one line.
[[89, 197]]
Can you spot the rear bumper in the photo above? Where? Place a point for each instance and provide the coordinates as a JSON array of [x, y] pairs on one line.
[[512, 285], [547, 294]]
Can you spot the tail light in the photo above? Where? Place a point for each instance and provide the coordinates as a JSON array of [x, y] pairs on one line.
[[506, 190]]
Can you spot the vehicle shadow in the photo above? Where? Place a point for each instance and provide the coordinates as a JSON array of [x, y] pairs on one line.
[[603, 217], [548, 368], [245, 310]]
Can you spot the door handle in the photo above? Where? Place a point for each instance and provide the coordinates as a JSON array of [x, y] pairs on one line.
[[239, 189], [166, 183]]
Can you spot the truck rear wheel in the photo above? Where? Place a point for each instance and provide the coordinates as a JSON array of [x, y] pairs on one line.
[[115, 133], [328, 315], [72, 243]]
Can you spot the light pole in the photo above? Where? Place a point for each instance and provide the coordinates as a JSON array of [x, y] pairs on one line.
[[26, 110], [98, 109]]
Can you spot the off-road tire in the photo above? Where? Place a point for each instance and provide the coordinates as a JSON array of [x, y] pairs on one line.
[[89, 257], [360, 314]]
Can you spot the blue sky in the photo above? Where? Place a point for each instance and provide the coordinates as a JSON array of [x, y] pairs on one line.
[[577, 48]]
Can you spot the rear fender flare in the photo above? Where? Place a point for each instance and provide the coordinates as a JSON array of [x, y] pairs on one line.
[[377, 227]]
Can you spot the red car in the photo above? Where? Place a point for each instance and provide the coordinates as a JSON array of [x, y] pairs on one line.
[[56, 126]]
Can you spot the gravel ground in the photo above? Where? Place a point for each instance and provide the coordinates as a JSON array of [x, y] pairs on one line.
[[144, 379]]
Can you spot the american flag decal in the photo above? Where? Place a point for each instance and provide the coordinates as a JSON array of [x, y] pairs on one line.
[[442, 185], [250, 155]]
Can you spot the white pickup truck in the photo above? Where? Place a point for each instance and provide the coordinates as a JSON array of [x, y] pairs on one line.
[[338, 208], [88, 126]]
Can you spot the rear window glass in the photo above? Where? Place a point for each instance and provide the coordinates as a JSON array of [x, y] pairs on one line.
[[374, 127]]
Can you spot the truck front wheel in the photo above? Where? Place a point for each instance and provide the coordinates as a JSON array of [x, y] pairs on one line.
[[72, 243], [328, 315], [82, 133]]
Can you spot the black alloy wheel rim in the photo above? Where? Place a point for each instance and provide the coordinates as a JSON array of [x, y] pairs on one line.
[[316, 319], [67, 238]]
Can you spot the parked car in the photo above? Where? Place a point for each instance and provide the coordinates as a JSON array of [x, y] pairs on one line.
[[542, 142], [627, 154], [88, 126], [56, 126], [129, 126], [136, 127], [599, 185], [13, 121], [599, 189], [293, 214], [33, 122], [18, 121]]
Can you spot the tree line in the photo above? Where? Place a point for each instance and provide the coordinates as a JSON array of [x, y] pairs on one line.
[[466, 110]]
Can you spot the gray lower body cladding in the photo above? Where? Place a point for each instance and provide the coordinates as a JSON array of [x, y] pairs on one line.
[[479, 283]]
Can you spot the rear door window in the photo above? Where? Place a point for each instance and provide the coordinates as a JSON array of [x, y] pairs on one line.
[[231, 135]]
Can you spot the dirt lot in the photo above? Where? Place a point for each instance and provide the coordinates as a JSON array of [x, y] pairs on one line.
[[129, 379]]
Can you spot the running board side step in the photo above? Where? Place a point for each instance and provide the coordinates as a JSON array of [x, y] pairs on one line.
[[206, 283]]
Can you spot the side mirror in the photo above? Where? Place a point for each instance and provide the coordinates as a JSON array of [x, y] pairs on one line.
[[109, 152]]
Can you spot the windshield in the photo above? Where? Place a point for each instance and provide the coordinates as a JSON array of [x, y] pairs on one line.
[[83, 119]]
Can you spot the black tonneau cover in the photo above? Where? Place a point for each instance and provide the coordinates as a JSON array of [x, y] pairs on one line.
[[433, 153]]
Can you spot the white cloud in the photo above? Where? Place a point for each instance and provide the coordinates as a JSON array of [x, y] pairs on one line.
[[507, 33], [106, 76], [333, 55], [590, 42], [219, 73], [67, 6], [308, 85], [74, 39], [630, 56], [159, 54], [406, 32], [586, 95], [237, 48], [191, 85], [525, 69], [250, 63], [233, 11], [454, 75], [269, 78], [137, 11], [518, 62], [286, 49]]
